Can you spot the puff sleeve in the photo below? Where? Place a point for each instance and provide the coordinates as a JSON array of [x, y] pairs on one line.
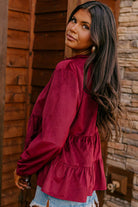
[[58, 114]]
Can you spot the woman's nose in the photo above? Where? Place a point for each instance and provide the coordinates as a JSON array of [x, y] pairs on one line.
[[74, 28]]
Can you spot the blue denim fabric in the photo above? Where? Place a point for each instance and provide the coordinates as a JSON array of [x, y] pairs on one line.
[[41, 199]]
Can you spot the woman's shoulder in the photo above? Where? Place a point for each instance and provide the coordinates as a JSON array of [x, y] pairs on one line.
[[72, 63]]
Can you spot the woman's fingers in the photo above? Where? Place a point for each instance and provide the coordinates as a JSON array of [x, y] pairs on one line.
[[19, 182], [16, 180]]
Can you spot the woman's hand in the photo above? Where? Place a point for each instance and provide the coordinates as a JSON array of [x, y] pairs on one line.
[[20, 181]]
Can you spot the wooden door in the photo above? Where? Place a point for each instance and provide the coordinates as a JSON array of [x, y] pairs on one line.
[[3, 48], [114, 6], [47, 50]]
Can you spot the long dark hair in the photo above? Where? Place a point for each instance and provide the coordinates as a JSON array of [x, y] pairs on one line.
[[104, 83]]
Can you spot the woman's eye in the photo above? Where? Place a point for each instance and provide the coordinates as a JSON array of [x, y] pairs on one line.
[[73, 20], [85, 26]]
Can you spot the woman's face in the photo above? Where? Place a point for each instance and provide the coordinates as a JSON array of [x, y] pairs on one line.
[[77, 35]]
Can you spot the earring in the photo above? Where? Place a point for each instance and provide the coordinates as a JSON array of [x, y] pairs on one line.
[[93, 49]]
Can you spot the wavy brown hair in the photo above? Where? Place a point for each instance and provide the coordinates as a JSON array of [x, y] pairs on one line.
[[104, 76]]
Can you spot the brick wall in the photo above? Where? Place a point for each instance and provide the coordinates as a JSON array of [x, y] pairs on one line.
[[125, 153]]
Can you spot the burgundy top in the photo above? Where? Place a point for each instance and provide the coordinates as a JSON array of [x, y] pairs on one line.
[[62, 142]]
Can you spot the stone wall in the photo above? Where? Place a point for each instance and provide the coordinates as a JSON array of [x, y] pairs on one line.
[[125, 153]]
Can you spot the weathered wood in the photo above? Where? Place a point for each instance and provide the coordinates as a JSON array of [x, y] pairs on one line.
[[13, 132], [22, 6], [43, 6], [14, 123], [35, 93], [10, 107], [49, 41], [50, 22], [15, 94], [18, 39], [3, 48], [16, 80], [16, 89], [114, 5], [17, 58], [41, 77], [7, 176], [10, 166], [14, 115], [10, 192], [18, 21], [117, 11], [9, 158], [10, 197], [8, 183], [110, 3], [29, 74], [12, 141], [15, 97], [14, 129], [14, 204], [16, 76], [13, 149], [47, 59]]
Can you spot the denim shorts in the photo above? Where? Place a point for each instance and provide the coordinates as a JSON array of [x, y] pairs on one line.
[[41, 199]]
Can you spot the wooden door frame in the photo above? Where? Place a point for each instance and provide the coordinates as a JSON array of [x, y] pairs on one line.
[[3, 51]]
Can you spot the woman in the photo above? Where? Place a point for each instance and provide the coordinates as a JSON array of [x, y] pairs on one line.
[[83, 96]]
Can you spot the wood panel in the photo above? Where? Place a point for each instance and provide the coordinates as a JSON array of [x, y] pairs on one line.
[[47, 59], [16, 87], [50, 22], [110, 3], [14, 111], [18, 39], [11, 196], [8, 183], [14, 106], [31, 42], [35, 92], [41, 77], [12, 142], [13, 149], [18, 21], [22, 6], [15, 94], [14, 129], [44, 6], [16, 115], [14, 204], [48, 41], [9, 166], [114, 6], [17, 58], [9, 158], [3, 48], [16, 76]]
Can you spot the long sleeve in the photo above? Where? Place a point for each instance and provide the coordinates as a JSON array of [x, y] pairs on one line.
[[58, 114]]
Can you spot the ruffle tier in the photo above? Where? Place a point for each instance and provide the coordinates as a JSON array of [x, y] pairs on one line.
[[74, 183]]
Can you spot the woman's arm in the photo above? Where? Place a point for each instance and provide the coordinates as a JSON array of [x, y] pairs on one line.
[[58, 114]]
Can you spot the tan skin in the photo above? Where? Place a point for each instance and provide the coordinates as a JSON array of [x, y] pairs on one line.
[[78, 38]]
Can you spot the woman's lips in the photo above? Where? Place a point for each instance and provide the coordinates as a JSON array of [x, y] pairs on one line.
[[69, 37]]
